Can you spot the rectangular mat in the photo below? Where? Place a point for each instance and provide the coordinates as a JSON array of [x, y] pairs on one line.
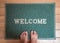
[[39, 17]]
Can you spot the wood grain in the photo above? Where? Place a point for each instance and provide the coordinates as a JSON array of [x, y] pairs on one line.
[[2, 11], [2, 34], [57, 26], [29, 1], [2, 3], [57, 33], [57, 18], [57, 10]]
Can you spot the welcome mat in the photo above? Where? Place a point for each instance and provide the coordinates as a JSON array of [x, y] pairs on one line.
[[39, 17]]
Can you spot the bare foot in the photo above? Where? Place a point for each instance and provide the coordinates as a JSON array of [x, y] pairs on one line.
[[34, 37], [24, 37]]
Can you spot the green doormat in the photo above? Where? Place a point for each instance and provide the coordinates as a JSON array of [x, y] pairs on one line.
[[39, 17]]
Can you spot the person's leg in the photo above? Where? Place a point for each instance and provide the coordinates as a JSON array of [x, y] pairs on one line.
[[24, 37], [34, 37]]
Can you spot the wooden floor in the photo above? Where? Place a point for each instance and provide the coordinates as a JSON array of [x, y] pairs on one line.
[[2, 19]]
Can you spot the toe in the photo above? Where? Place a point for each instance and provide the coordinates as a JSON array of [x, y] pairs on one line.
[[22, 35], [31, 32], [35, 33]]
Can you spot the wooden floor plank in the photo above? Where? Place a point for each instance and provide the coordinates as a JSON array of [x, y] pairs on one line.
[[2, 11], [57, 18], [57, 33], [2, 3], [57, 10], [2, 34], [57, 26], [2, 41], [13, 41], [2, 19], [35, 1], [32, 1]]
